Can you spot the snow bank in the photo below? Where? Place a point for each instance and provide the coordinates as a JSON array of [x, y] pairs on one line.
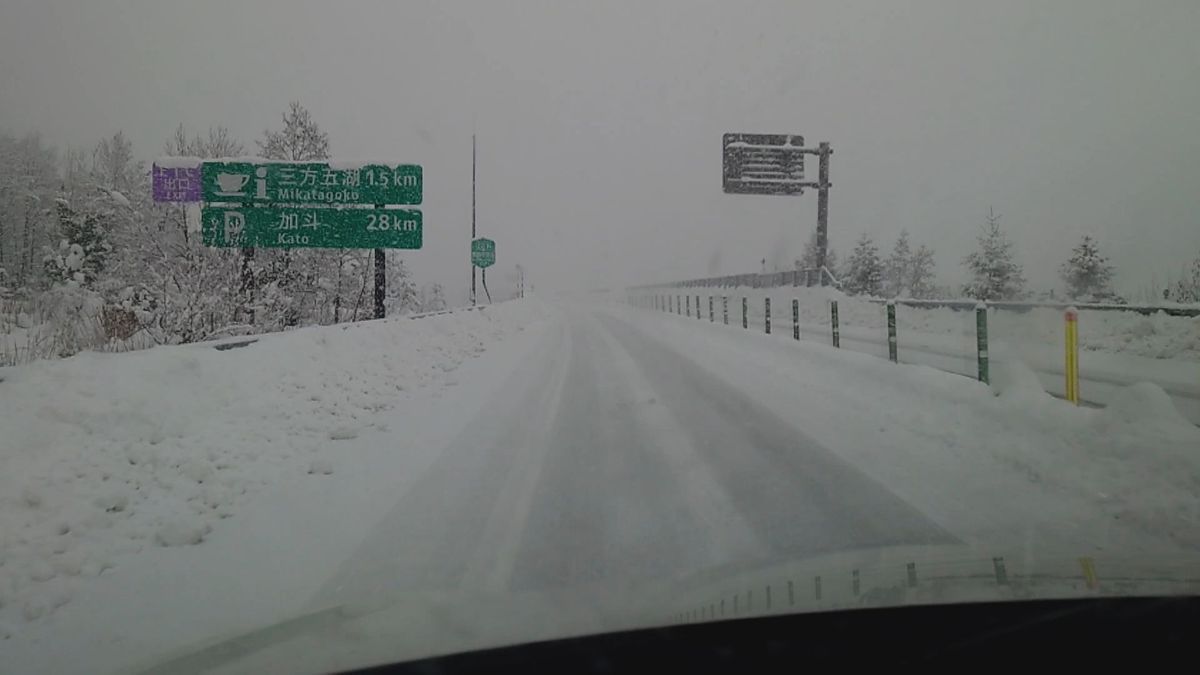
[[1014, 381], [104, 456], [1144, 403]]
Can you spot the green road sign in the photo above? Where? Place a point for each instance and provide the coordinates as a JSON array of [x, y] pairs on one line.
[[483, 252], [287, 227], [310, 183]]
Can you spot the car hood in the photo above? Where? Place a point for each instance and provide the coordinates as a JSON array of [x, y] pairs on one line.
[[383, 629]]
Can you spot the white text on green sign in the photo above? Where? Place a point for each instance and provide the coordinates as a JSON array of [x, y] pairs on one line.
[[310, 183], [294, 227], [483, 252]]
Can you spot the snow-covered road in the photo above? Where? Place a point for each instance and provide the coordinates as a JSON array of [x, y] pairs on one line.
[[611, 457], [588, 450]]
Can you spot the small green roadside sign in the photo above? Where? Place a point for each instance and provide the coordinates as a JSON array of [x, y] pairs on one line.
[[310, 183], [483, 252], [290, 227]]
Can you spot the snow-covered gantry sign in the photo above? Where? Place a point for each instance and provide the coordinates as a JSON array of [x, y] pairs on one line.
[[259, 182], [763, 164], [176, 179], [299, 227]]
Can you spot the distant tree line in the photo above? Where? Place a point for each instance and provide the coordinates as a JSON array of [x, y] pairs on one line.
[[993, 271]]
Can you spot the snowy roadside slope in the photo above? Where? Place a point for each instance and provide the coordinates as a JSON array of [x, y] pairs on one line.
[[104, 456], [1118, 348], [992, 465]]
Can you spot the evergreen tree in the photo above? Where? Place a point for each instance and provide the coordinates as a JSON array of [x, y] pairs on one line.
[[83, 250], [1087, 273], [1187, 289], [920, 280], [995, 275], [897, 268], [864, 271]]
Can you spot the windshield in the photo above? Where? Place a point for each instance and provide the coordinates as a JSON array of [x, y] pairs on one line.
[[710, 310]]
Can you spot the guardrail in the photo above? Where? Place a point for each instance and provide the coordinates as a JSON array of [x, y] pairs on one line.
[[813, 277], [1061, 379], [1025, 306]]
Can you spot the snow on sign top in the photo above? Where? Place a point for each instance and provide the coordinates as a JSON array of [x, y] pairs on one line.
[[169, 162]]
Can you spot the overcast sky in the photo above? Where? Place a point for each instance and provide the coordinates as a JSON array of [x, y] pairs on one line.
[[600, 122]]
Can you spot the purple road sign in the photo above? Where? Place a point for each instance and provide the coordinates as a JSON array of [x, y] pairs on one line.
[[177, 183]]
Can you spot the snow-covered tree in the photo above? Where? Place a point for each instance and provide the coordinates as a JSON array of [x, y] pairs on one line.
[[300, 139], [1187, 288], [897, 267], [864, 271], [219, 143], [115, 193], [995, 275], [920, 282], [29, 182], [97, 215], [432, 298], [195, 287], [294, 281], [83, 251], [114, 166], [82, 242], [402, 293], [1087, 273]]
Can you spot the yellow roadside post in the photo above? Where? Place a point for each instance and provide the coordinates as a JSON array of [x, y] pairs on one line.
[[1072, 355]]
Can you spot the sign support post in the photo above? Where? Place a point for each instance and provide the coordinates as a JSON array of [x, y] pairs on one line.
[[483, 256], [380, 279], [472, 215], [773, 164], [823, 152]]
